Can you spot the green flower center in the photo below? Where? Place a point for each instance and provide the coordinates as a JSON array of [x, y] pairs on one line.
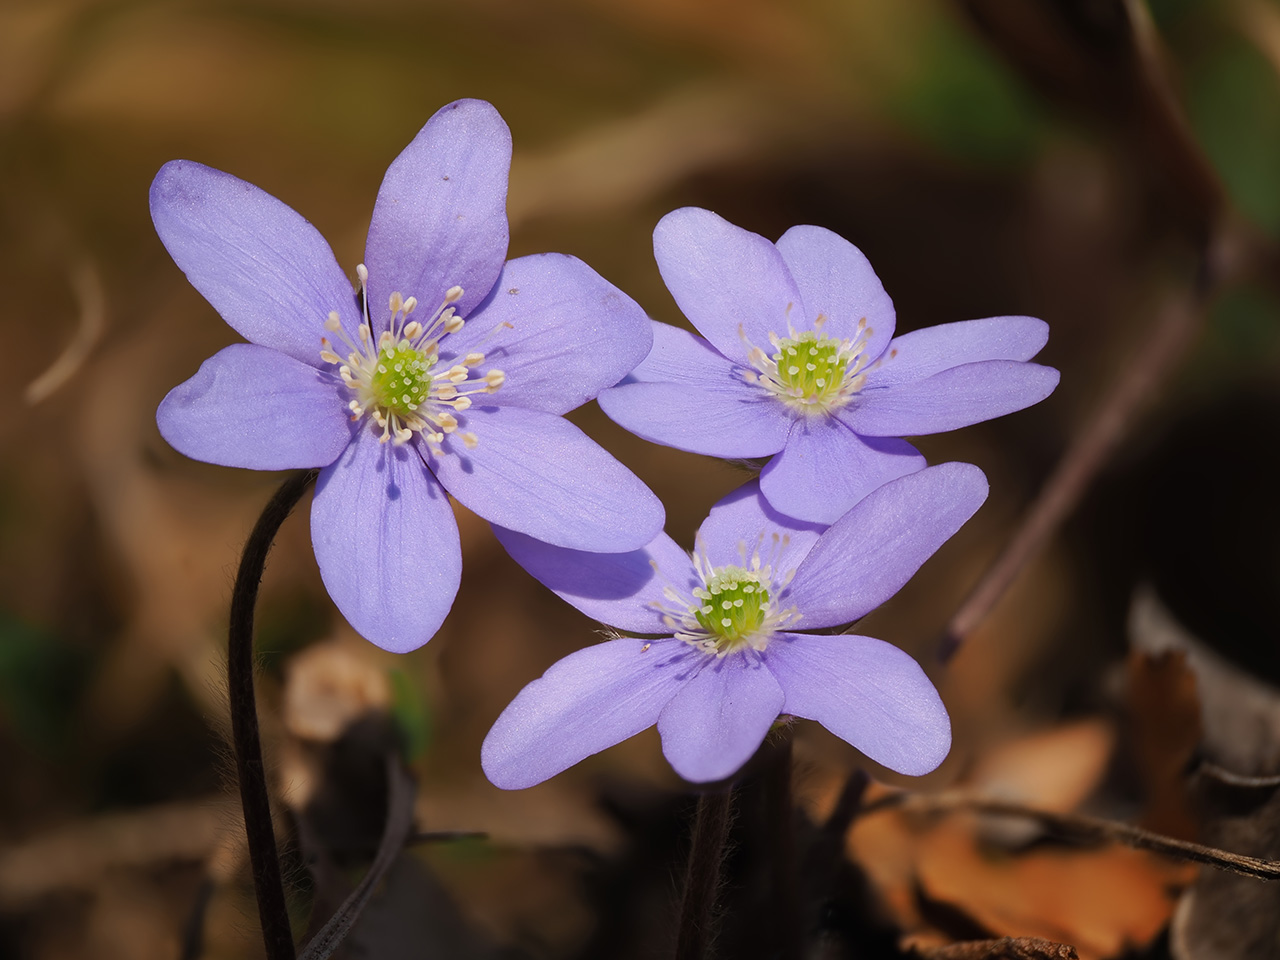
[[810, 366], [734, 604], [401, 378]]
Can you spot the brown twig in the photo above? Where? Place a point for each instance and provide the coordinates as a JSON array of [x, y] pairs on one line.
[[1169, 143], [1171, 335], [1006, 948], [1081, 828]]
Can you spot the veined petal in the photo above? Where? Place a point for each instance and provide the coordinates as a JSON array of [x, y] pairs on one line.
[[922, 353], [729, 421], [951, 399], [249, 406], [583, 704], [441, 216], [680, 357], [538, 474], [825, 468], [744, 522], [559, 331], [386, 543], [870, 552], [623, 590], [263, 267], [727, 281], [837, 281], [720, 717], [868, 693]]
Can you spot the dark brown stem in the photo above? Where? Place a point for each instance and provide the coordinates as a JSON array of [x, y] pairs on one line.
[[396, 832], [277, 935], [702, 879], [780, 820], [1076, 826]]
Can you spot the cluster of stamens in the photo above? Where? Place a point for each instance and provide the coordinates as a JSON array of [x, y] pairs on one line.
[[810, 372], [395, 377], [735, 607]]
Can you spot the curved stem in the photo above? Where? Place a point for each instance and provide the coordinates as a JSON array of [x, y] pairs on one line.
[[267, 882], [399, 826]]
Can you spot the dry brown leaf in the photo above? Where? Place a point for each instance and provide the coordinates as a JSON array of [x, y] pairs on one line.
[[1164, 712]]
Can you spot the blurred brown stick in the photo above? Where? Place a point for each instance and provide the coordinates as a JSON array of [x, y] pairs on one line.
[[1112, 46], [1173, 330], [1077, 826]]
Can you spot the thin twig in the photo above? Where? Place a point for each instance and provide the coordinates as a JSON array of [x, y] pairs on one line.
[[1082, 828], [1172, 145], [702, 880], [396, 832], [1005, 948], [273, 914], [1171, 335]]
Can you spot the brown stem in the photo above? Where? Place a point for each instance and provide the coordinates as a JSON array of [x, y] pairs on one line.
[[780, 826], [702, 879], [273, 914]]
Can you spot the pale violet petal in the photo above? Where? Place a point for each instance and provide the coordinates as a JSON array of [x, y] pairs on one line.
[[951, 399], [559, 331], [263, 267], [538, 474], [825, 468], [441, 216], [386, 542], [836, 280], [622, 590], [684, 358], [735, 420], [730, 283], [249, 406], [868, 693], [875, 548], [743, 526], [719, 718], [583, 704], [922, 353]]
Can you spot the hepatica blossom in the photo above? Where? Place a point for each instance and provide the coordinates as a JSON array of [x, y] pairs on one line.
[[727, 651], [799, 364], [446, 370]]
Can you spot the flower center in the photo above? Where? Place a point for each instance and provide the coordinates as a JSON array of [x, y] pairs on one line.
[[734, 603], [735, 607], [811, 372], [396, 379], [401, 381]]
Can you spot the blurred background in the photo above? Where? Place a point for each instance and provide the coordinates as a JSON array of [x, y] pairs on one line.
[[989, 158]]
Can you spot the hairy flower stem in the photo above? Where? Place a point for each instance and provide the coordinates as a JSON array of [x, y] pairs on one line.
[[277, 935], [702, 879], [780, 818]]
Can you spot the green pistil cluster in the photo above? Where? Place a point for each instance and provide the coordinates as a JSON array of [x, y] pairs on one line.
[[810, 366], [734, 603], [401, 381]]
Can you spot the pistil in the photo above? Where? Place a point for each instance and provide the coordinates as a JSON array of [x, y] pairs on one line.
[[810, 372], [396, 380]]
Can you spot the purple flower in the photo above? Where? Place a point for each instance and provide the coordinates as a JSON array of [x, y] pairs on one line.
[[446, 371], [799, 364], [728, 659]]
